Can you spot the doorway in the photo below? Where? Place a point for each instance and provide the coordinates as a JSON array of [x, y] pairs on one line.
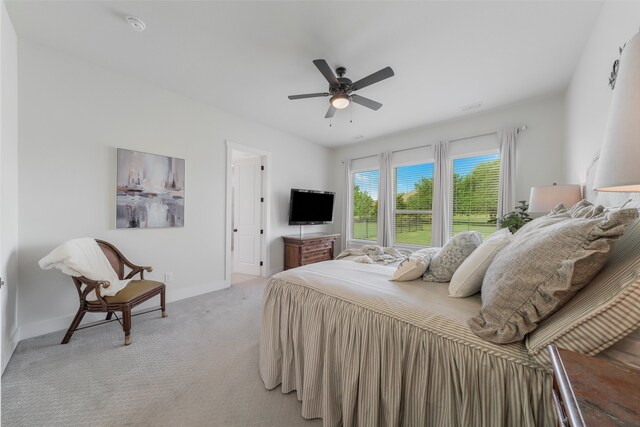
[[247, 185]]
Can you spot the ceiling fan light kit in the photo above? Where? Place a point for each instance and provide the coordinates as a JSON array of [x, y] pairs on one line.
[[341, 88], [340, 101]]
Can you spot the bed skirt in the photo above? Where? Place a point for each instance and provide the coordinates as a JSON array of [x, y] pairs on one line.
[[352, 366]]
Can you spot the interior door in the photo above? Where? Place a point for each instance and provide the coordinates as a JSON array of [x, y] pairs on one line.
[[247, 215]]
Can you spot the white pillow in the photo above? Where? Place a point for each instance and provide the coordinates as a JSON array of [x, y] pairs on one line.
[[413, 267], [467, 279]]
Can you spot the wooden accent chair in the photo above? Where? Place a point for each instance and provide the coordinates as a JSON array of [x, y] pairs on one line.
[[136, 292]]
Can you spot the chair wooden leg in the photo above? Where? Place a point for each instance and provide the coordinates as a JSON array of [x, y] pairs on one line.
[[163, 303], [109, 315], [126, 325], [74, 324]]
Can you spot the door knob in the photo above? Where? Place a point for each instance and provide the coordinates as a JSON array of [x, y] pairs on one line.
[[235, 230]]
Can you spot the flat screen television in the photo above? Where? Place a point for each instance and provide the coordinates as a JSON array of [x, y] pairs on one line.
[[308, 207]]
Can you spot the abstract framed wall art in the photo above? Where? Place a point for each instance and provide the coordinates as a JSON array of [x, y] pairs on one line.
[[150, 190]]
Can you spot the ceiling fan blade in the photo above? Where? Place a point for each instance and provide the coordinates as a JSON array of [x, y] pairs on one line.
[[326, 71], [385, 73], [309, 95], [330, 112], [366, 102]]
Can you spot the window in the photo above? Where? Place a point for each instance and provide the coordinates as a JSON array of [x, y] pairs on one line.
[[365, 205], [412, 206], [475, 193]]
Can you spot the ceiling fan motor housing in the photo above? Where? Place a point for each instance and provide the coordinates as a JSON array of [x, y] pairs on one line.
[[345, 83]]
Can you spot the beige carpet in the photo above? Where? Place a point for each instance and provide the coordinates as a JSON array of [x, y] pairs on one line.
[[198, 367]]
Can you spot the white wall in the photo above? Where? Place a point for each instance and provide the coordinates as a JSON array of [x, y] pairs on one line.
[[8, 184], [538, 154], [71, 116], [589, 95]]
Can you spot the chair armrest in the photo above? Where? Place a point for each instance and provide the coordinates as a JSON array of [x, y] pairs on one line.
[[135, 269], [94, 285]]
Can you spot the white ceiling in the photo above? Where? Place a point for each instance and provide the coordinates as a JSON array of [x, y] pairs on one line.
[[246, 57]]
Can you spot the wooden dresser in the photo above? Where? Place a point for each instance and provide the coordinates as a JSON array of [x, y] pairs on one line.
[[308, 249], [588, 391]]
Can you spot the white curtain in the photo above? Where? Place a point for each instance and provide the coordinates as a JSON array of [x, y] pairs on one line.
[[507, 186], [441, 208], [346, 206], [385, 200]]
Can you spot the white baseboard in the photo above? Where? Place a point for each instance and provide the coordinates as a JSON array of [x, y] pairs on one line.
[[44, 327], [7, 351]]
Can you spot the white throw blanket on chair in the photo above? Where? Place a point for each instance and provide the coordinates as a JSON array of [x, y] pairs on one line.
[[83, 257]]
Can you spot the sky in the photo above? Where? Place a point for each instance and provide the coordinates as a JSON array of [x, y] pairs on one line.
[[408, 176]]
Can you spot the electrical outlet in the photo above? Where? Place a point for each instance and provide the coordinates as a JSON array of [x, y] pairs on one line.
[[168, 277]]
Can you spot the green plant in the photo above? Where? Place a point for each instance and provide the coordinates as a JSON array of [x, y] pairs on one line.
[[515, 219]]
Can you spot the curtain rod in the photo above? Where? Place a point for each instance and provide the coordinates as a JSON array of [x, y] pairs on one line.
[[519, 130]]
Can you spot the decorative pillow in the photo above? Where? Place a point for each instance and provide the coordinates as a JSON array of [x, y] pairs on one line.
[[559, 213], [582, 209], [602, 313], [467, 280], [452, 254], [585, 209], [541, 270], [413, 267]]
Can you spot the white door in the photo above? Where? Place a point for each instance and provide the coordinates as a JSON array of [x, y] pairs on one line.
[[247, 215]]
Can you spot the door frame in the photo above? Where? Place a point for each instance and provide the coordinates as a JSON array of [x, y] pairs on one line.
[[265, 158]]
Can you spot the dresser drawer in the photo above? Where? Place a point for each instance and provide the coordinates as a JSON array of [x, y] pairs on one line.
[[316, 256], [316, 247]]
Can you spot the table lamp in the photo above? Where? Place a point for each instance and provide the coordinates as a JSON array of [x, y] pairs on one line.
[[619, 162], [544, 198]]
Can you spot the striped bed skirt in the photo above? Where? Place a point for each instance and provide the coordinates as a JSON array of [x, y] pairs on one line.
[[353, 366]]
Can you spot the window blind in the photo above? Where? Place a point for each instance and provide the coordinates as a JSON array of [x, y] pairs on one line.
[[474, 186], [413, 203], [365, 205]]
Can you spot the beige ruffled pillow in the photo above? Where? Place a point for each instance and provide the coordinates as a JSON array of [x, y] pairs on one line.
[[582, 209], [543, 268]]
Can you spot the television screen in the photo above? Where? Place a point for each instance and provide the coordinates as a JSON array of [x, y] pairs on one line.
[[310, 207]]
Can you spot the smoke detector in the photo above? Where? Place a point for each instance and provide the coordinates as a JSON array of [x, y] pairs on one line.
[[136, 23]]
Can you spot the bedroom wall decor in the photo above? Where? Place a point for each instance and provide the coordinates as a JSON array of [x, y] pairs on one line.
[[150, 190]]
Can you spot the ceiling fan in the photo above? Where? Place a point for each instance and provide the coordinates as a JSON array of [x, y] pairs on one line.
[[341, 88]]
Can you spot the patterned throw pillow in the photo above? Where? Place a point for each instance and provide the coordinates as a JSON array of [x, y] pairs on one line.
[[452, 254], [542, 269]]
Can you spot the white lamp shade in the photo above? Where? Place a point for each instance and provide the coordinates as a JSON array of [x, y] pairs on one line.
[[547, 197], [619, 163]]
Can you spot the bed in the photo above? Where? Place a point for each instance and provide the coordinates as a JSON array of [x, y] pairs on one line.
[[359, 349]]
